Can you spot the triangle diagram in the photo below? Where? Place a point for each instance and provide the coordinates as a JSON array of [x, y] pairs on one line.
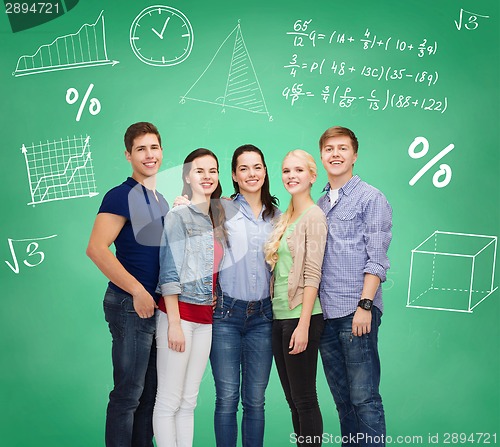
[[230, 79]]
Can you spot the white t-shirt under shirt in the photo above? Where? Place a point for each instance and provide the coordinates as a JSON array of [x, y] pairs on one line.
[[334, 195]]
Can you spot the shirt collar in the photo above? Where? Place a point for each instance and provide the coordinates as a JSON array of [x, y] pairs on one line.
[[245, 206], [347, 187], [195, 209], [131, 181], [135, 185]]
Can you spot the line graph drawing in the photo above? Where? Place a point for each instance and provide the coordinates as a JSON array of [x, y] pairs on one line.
[[85, 48], [230, 79], [60, 170], [452, 271]]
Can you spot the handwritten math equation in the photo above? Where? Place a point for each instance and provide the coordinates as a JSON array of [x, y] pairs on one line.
[[311, 62], [468, 20], [345, 97], [303, 35], [341, 68], [31, 256]]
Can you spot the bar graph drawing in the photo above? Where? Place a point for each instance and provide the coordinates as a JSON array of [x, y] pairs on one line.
[[85, 48], [230, 79], [60, 170]]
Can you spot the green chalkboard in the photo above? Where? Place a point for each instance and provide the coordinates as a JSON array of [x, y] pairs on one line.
[[418, 81]]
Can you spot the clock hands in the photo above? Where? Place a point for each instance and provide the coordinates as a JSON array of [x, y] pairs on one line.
[[166, 24], [160, 35]]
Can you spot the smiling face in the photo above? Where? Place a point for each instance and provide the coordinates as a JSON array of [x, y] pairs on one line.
[[250, 173], [203, 178], [338, 158], [296, 175], [145, 157]]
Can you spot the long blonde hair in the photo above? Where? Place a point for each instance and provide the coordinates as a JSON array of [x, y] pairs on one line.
[[273, 243]]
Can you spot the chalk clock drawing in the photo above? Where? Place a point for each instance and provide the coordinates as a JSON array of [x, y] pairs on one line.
[[60, 170], [85, 48], [452, 271], [230, 79], [161, 36]]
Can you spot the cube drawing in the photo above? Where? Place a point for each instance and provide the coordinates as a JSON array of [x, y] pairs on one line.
[[452, 271]]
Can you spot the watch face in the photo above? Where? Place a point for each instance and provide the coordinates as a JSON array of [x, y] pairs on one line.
[[161, 36], [366, 304]]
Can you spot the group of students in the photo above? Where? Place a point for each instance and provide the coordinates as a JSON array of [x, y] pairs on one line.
[[238, 282]]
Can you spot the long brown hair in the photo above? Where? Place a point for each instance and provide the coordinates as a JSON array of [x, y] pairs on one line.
[[270, 202], [216, 210]]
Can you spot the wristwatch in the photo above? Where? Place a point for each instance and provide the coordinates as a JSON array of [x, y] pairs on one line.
[[365, 304]]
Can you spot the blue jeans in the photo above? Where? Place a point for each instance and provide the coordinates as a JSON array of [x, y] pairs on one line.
[[131, 402], [352, 369], [241, 359]]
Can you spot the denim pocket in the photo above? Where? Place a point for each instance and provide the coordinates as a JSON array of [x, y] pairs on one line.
[[115, 300], [115, 311], [355, 348], [223, 309], [267, 313], [194, 239], [218, 313], [221, 314]]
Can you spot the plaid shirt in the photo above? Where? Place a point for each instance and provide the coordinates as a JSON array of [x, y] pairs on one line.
[[359, 234]]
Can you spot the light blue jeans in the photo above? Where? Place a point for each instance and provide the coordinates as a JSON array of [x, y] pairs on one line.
[[241, 359], [352, 369]]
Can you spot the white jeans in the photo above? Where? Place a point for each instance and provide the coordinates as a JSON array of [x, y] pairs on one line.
[[179, 378]]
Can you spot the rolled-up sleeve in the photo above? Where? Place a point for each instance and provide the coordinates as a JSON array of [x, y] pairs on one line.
[[171, 255], [377, 235]]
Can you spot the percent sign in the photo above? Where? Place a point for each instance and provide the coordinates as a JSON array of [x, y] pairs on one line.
[[72, 97], [444, 169]]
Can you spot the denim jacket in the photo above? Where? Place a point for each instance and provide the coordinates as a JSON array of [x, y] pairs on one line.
[[187, 257]]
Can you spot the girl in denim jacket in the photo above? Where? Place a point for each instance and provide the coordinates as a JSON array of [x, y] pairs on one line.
[[195, 237]]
